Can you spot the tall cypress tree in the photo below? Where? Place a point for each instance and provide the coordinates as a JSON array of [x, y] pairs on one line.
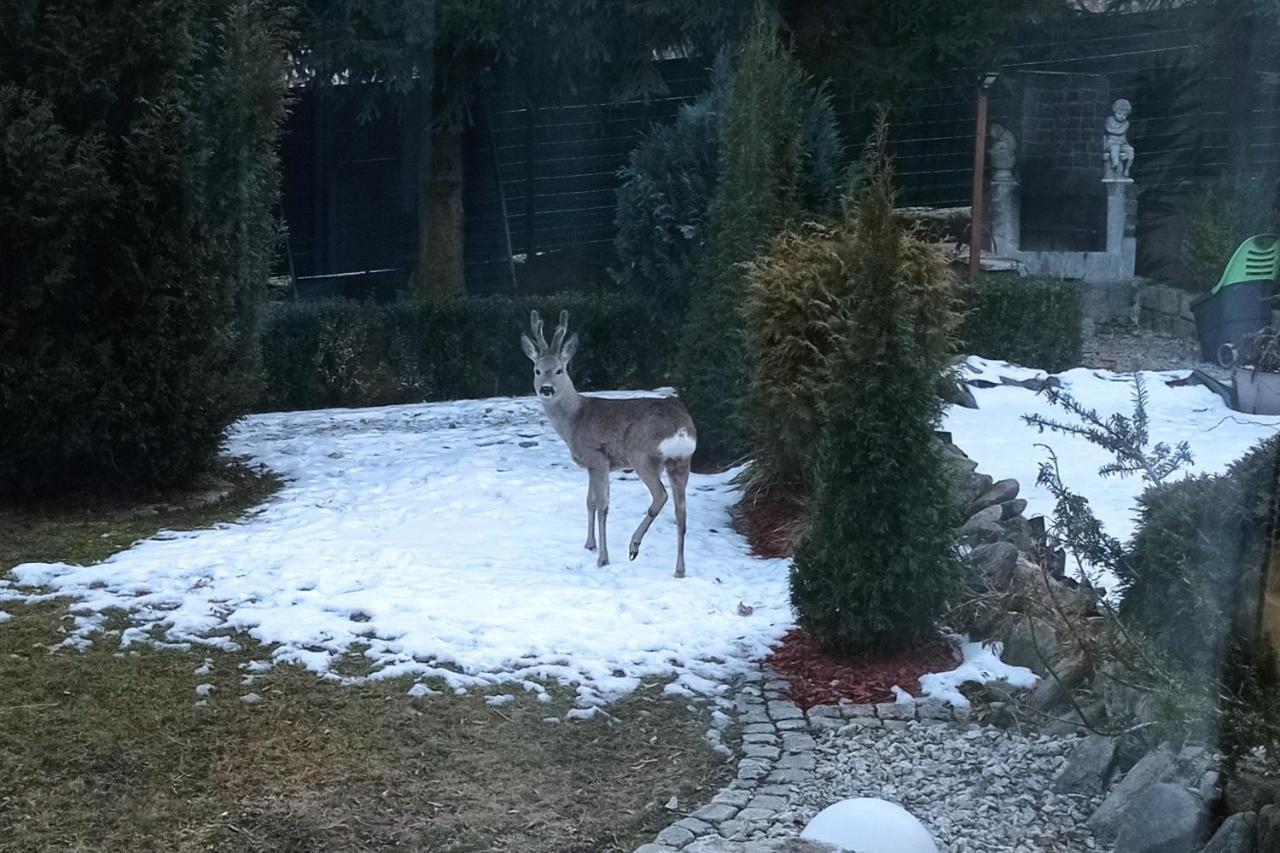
[[878, 565]]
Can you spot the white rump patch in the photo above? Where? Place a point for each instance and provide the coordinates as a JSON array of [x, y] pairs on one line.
[[679, 446]]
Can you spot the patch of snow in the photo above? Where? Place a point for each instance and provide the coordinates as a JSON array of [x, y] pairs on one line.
[[869, 825], [901, 696], [995, 436], [427, 539], [203, 690], [419, 690], [500, 700], [5, 617], [981, 665]]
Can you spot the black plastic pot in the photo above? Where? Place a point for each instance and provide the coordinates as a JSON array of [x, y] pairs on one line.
[[1233, 312]]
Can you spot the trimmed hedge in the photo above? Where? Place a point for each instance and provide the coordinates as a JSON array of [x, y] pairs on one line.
[[1035, 322], [351, 353]]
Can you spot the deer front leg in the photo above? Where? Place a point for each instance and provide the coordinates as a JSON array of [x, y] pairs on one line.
[[591, 514], [600, 488]]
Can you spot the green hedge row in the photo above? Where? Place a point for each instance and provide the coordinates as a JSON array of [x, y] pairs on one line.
[[1035, 322], [351, 353]]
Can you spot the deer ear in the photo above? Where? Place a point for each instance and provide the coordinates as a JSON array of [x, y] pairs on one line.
[[569, 348], [529, 348]]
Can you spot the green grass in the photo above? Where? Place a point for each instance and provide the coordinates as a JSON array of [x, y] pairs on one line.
[[108, 750]]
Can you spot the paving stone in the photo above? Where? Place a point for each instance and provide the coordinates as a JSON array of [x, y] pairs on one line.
[[750, 815], [786, 776], [717, 813], [674, 836], [737, 799], [731, 828], [823, 711], [765, 801], [694, 825], [760, 750], [758, 728], [783, 710], [822, 724], [760, 737], [754, 716], [896, 710], [933, 709], [858, 710], [776, 684], [802, 761], [792, 725], [753, 771], [654, 848], [798, 742], [775, 790], [741, 784]]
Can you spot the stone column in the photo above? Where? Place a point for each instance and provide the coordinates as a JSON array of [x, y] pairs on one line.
[[1005, 218], [1120, 212]]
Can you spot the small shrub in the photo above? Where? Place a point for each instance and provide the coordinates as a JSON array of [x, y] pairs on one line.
[[1192, 576], [1035, 322], [1222, 216], [350, 353], [1261, 350], [878, 565]]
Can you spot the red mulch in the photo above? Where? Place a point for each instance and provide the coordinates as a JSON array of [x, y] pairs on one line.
[[770, 521], [817, 677]]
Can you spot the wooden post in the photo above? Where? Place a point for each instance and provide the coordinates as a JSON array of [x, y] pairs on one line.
[[979, 212]]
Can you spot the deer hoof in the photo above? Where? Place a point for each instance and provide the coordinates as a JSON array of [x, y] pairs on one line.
[[602, 562], [590, 546], [634, 552], [680, 572]]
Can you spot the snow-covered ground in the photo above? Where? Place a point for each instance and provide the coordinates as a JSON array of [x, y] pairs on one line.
[[995, 436], [446, 540]]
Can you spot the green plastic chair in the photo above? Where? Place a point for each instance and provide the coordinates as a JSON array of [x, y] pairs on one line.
[[1256, 258]]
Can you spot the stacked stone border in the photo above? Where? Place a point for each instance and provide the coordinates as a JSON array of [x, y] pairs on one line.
[[778, 753]]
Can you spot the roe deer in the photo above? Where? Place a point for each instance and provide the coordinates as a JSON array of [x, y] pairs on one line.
[[646, 434]]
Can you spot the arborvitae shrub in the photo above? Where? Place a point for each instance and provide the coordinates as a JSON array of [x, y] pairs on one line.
[[795, 318], [878, 565], [1035, 322], [1192, 579], [777, 143], [350, 353], [1220, 217], [135, 234]]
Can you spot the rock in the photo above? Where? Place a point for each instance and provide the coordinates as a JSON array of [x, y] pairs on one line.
[[1088, 767], [1155, 767], [1000, 491], [1269, 829], [1167, 818], [976, 485], [1051, 692], [1025, 647], [994, 563], [981, 534], [1238, 834], [1249, 791], [1017, 531], [990, 515], [1012, 509], [773, 845]]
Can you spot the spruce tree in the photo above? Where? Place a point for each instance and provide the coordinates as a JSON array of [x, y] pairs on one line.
[[878, 565]]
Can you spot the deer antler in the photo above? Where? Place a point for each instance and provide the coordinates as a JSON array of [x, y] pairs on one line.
[[535, 323], [561, 331]]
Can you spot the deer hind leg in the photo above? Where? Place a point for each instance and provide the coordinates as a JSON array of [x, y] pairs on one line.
[[650, 471], [678, 473], [591, 515], [600, 488]]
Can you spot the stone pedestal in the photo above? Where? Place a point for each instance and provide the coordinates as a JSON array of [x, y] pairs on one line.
[[1005, 221]]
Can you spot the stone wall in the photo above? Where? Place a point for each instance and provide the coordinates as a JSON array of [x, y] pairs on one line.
[[1165, 310]]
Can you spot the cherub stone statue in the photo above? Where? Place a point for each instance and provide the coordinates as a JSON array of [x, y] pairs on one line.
[[1003, 153], [1117, 153]]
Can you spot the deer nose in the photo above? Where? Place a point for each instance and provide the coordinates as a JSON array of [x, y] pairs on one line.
[[546, 390]]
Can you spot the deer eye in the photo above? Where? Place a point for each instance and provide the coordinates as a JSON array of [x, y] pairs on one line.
[[537, 372], [558, 372]]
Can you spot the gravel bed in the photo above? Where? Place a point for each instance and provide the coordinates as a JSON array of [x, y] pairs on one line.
[[1125, 349], [978, 790]]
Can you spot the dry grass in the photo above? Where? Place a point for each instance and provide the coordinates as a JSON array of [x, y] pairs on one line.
[[107, 750]]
